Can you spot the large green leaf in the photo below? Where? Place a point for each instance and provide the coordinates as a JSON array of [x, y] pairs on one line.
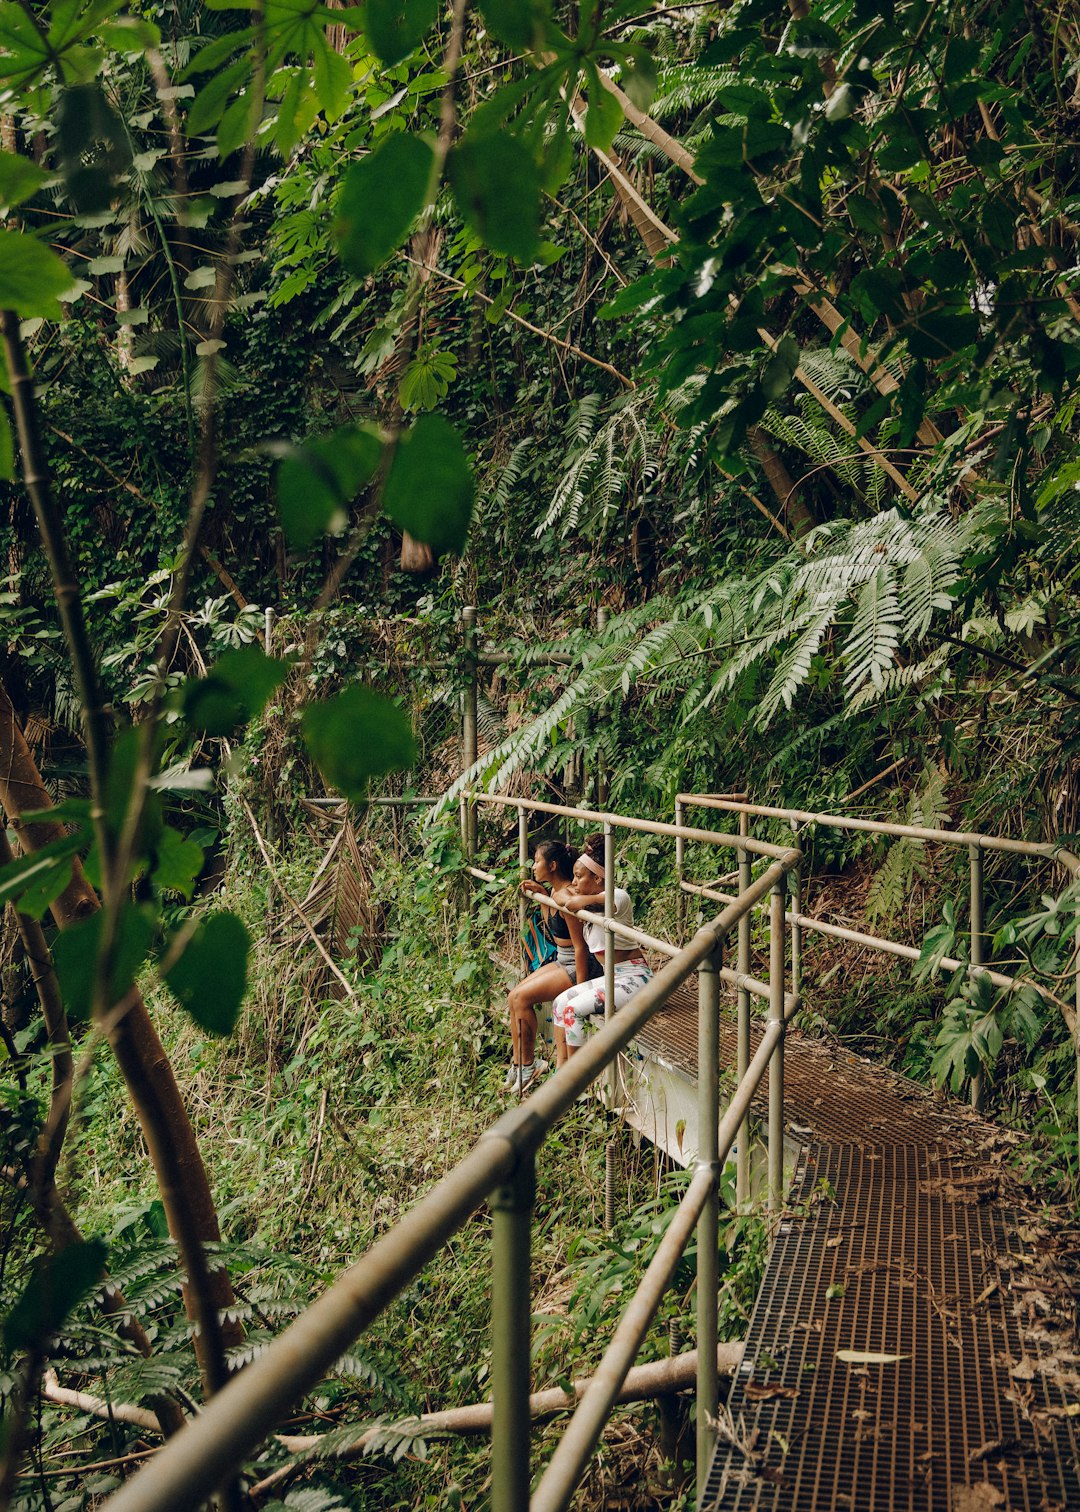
[[208, 106], [177, 862], [604, 115], [380, 200], [430, 489], [356, 736], [333, 79], [75, 955], [941, 333], [396, 27], [32, 277], [234, 690], [317, 482], [210, 978], [57, 1285], [23, 48], [95, 148], [497, 188], [19, 178], [32, 882]]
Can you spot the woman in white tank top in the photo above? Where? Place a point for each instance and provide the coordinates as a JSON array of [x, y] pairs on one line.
[[572, 1009]]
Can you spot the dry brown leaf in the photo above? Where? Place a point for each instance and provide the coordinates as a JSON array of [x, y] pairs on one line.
[[765, 1391], [996, 1449], [982, 1497]]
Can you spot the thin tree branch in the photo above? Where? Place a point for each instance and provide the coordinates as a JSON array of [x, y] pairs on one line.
[[65, 584], [46, 1157], [549, 336]]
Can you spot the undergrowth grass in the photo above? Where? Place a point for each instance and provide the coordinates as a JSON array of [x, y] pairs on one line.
[[321, 1120]]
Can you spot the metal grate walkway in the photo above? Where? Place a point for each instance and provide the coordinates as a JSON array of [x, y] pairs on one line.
[[904, 1236], [904, 1243]]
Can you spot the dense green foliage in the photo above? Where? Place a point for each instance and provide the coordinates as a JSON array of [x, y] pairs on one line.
[[757, 328]]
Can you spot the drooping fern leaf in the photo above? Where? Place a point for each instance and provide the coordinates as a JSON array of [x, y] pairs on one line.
[[875, 634]]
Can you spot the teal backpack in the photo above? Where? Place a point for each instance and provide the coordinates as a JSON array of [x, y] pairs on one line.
[[536, 941]]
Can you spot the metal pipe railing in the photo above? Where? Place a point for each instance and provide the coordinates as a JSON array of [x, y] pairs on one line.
[[1049, 851], [776, 1070], [599, 817], [575, 1448], [742, 1029], [500, 1166], [976, 844], [887, 947], [708, 1277]]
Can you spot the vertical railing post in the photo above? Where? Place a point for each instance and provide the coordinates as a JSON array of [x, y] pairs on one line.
[[742, 1042], [776, 1065], [795, 886], [975, 861], [680, 873], [511, 1341], [609, 933], [468, 726], [609, 1009], [523, 863], [268, 630], [708, 1228]]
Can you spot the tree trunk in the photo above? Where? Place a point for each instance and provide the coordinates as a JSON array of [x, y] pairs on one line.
[[178, 1164]]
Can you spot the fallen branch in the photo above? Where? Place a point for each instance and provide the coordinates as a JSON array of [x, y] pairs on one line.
[[643, 1382], [113, 1412]]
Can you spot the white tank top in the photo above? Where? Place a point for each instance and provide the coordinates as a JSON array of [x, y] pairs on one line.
[[596, 935]]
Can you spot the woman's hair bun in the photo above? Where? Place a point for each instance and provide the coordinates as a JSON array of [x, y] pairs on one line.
[[559, 856]]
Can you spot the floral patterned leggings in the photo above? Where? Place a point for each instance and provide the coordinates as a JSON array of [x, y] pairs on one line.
[[572, 1008]]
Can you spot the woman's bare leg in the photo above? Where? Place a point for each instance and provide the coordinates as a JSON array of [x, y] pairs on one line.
[[560, 1047], [542, 986]]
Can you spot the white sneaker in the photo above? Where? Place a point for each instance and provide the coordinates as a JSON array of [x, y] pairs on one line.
[[510, 1081], [530, 1076]]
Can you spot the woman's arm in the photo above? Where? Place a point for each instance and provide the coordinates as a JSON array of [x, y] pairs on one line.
[[575, 903], [581, 950]]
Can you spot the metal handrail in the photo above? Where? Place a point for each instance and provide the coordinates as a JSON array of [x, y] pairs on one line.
[[1048, 850], [976, 844], [501, 1167]]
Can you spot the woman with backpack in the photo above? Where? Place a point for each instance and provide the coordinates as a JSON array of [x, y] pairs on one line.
[[572, 1008], [569, 962]]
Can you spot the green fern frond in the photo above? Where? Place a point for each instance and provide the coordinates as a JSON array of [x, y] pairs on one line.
[[608, 461], [900, 678], [684, 90], [794, 666], [875, 633], [314, 1499]]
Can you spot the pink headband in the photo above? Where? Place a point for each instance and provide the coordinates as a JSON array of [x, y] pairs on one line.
[[593, 866]]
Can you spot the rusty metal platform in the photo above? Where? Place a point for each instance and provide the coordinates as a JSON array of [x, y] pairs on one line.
[[899, 1250], [904, 1236], [829, 1092]]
